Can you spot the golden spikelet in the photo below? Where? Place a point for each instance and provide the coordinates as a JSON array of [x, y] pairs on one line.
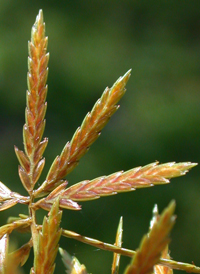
[[139, 177], [31, 162], [152, 245], [85, 135], [47, 245]]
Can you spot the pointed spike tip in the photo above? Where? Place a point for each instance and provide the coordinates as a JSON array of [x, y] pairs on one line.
[[60, 251], [126, 76], [122, 81], [188, 165], [155, 210], [120, 226], [171, 208], [39, 19], [172, 204], [192, 164], [185, 167], [129, 71], [40, 16]]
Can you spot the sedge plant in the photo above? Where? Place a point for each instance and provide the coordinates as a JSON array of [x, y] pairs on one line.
[[54, 195]]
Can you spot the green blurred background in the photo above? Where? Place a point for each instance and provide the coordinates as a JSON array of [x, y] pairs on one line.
[[91, 44]]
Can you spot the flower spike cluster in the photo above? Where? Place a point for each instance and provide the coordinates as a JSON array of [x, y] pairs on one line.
[[53, 194], [31, 162], [85, 135], [152, 245], [139, 177]]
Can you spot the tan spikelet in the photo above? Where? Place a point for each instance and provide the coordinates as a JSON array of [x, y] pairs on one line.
[[152, 245], [48, 239], [31, 161], [139, 177], [86, 134]]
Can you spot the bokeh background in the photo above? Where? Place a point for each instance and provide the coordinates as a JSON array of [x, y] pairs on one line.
[[91, 44]]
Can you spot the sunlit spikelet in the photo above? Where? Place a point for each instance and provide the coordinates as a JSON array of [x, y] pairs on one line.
[[152, 245], [48, 239], [86, 134], [31, 161], [160, 269], [139, 177]]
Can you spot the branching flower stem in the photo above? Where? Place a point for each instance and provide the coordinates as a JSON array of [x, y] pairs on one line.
[[127, 252], [53, 194], [105, 246]]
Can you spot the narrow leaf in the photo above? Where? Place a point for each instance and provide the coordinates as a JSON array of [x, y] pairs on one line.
[[152, 245]]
